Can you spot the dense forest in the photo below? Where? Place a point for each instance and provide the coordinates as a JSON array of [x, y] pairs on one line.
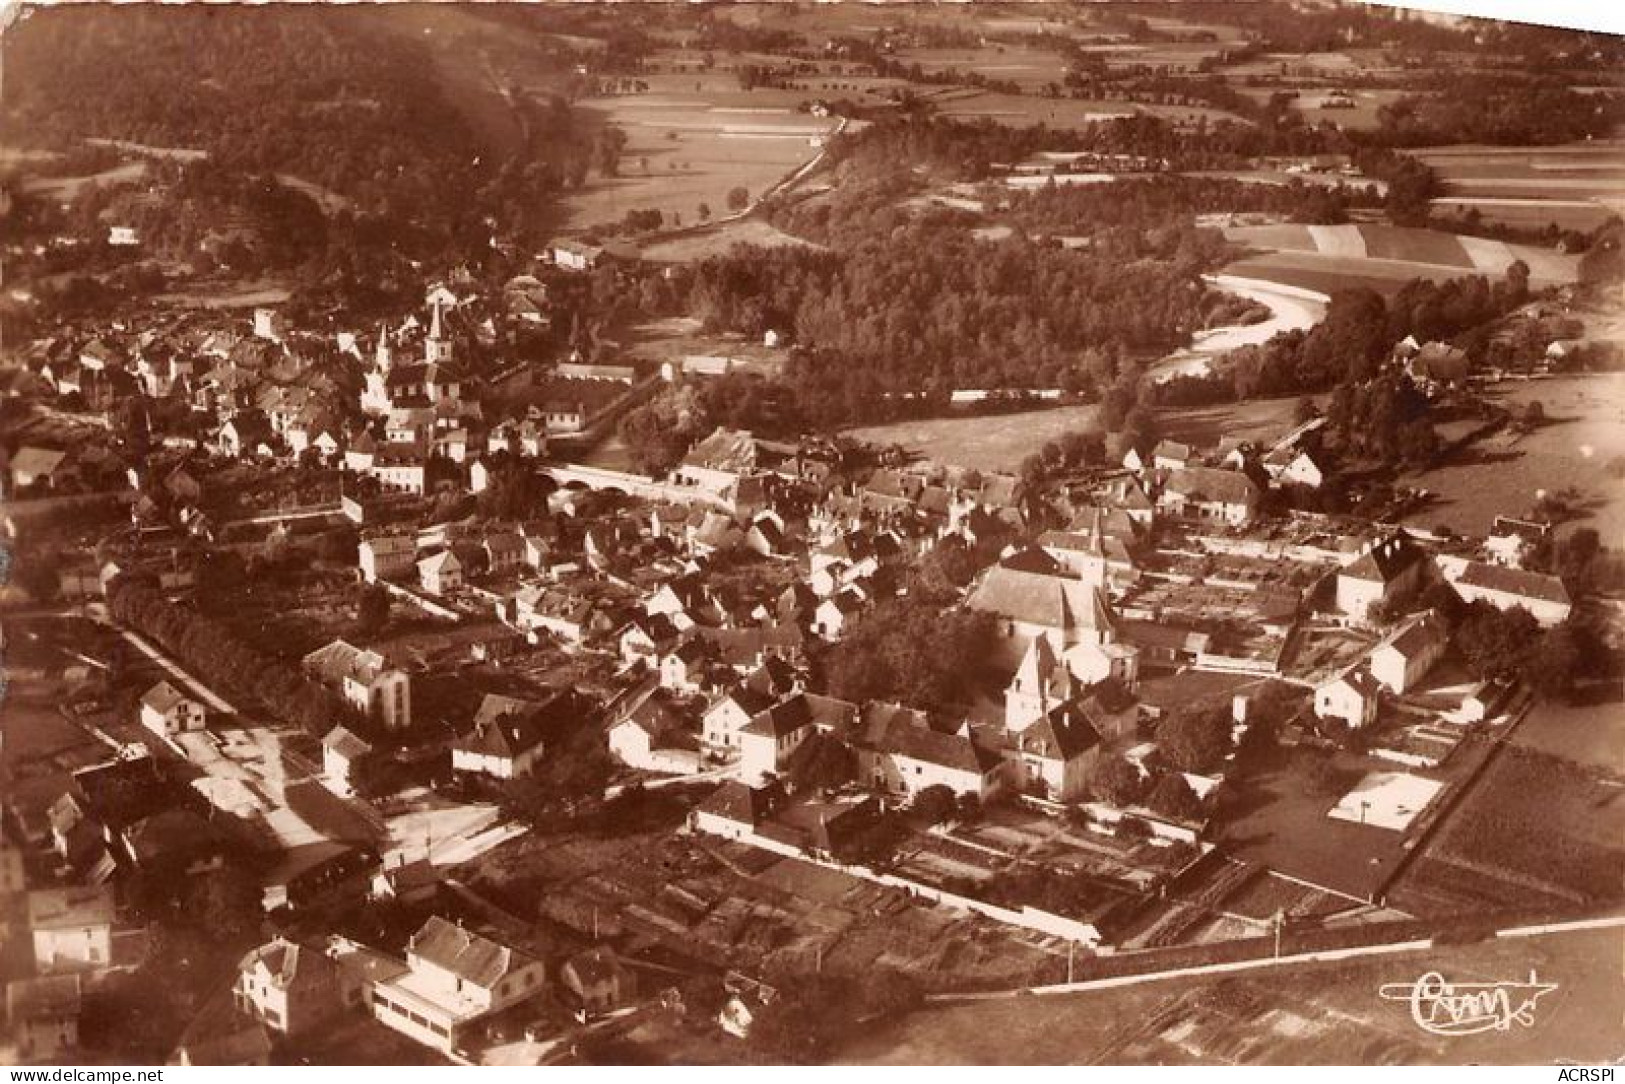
[[1170, 201], [1358, 332], [922, 311], [1499, 108], [967, 151], [334, 97]]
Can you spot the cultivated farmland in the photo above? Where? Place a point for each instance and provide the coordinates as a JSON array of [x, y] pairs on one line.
[[691, 140], [1329, 1013], [1323, 258], [1574, 185]]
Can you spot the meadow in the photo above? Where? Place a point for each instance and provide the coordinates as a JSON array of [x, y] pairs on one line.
[[1362, 118], [693, 138], [1309, 1014], [1324, 258], [1575, 185], [1586, 429], [1000, 442], [1019, 109], [718, 240]]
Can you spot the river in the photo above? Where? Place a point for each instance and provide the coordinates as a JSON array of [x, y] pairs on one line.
[[1291, 308]]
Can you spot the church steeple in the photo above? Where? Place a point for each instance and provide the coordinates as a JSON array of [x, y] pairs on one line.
[[381, 356], [436, 348]]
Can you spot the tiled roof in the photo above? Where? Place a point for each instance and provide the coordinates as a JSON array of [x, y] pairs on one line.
[[1064, 733], [1514, 581], [1417, 635], [1385, 561], [345, 743], [739, 803], [802, 710], [163, 698], [465, 954], [1213, 484], [340, 660], [907, 732], [1057, 602], [289, 963]]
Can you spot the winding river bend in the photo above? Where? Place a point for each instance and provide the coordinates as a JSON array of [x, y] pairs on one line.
[[1291, 308]]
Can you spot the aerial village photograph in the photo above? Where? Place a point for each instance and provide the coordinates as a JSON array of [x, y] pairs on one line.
[[836, 534]]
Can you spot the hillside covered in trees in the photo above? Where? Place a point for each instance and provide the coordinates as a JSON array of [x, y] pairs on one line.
[[339, 98]]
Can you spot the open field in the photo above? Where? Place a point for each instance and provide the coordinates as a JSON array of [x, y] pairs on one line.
[[1027, 67], [1065, 112], [1591, 734], [1180, 55], [1575, 185], [1000, 442], [1310, 1014], [1527, 213], [1354, 182], [1534, 830], [1390, 250], [717, 241], [1363, 117], [1328, 274], [686, 147], [69, 188], [1586, 429]]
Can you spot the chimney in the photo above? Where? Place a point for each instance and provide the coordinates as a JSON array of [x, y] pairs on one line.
[[1238, 708]]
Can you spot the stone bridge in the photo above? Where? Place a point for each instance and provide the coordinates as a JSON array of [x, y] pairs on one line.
[[581, 476]]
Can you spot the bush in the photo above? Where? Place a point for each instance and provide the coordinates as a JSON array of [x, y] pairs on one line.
[[1116, 782], [1133, 830], [1173, 798], [934, 804]]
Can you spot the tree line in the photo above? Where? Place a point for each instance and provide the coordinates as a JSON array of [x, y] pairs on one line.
[[218, 657]]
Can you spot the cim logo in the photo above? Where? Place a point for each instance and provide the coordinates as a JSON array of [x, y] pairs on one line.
[[1440, 1007]]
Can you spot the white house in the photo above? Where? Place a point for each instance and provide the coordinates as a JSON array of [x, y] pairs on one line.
[[342, 751], [453, 978], [44, 1016], [767, 742], [1405, 656], [166, 711], [441, 573], [836, 612], [507, 739], [1207, 493], [1505, 588], [1171, 455], [726, 716], [1392, 569], [1302, 470], [900, 752], [72, 928], [1351, 696], [365, 679], [291, 988], [1054, 754], [651, 736], [384, 557]]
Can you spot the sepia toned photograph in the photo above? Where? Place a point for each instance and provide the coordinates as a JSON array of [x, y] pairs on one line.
[[1081, 533]]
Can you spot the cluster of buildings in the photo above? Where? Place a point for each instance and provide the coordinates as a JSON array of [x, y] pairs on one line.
[[710, 596]]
